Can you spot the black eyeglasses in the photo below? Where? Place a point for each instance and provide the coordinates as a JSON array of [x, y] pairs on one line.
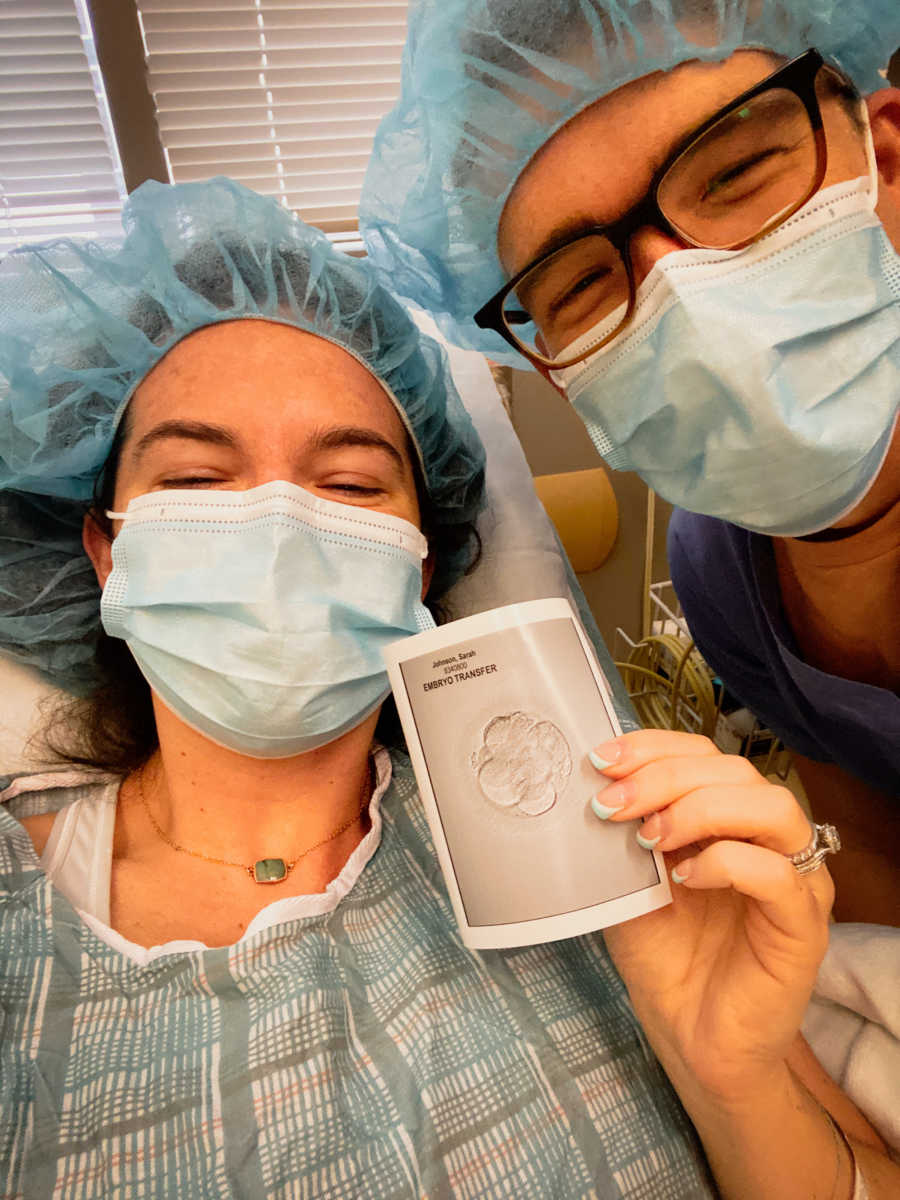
[[735, 178]]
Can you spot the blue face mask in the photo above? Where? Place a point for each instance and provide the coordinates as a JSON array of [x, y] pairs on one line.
[[762, 385], [258, 617]]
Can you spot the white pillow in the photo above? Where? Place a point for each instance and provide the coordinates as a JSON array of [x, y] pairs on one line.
[[21, 689], [521, 558]]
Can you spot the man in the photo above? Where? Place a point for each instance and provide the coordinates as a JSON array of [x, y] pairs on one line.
[[688, 220]]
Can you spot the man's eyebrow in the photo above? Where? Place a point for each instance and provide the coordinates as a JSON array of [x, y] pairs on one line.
[[560, 235], [198, 431], [357, 435], [568, 231]]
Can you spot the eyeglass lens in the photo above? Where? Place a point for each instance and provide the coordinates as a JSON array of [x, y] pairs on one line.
[[738, 180], [743, 174]]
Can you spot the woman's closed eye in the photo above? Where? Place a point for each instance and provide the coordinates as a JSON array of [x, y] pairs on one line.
[[355, 472], [191, 481], [351, 488]]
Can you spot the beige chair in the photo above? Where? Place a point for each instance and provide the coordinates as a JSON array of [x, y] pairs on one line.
[[582, 507]]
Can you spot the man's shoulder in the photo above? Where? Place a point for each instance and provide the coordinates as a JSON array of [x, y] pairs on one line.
[[711, 563], [698, 539], [715, 571]]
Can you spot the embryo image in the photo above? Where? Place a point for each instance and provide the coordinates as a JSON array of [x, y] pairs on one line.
[[522, 764]]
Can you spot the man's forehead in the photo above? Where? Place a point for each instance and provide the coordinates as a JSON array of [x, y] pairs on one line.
[[601, 161]]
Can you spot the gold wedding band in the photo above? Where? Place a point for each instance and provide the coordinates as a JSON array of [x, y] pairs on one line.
[[825, 840]]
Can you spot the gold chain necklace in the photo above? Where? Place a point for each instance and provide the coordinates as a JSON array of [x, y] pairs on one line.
[[264, 870]]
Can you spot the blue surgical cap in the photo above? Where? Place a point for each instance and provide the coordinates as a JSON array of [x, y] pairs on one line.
[[487, 82], [81, 324]]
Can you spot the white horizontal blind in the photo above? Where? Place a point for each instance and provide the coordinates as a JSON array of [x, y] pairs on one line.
[[59, 170], [281, 95]]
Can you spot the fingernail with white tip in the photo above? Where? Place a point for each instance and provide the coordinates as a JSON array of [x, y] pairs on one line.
[[605, 811], [611, 753], [649, 835]]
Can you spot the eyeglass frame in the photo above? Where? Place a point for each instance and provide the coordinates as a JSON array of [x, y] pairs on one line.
[[799, 77]]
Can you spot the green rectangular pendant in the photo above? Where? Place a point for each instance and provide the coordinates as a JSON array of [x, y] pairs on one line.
[[269, 870]]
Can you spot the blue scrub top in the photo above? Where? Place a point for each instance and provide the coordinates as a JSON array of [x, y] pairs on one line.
[[727, 585]]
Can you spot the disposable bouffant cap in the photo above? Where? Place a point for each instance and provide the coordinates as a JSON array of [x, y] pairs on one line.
[[487, 82], [82, 323]]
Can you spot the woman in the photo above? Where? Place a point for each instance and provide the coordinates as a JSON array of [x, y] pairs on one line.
[[237, 973]]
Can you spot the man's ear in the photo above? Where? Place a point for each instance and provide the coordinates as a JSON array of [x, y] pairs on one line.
[[97, 546], [884, 118]]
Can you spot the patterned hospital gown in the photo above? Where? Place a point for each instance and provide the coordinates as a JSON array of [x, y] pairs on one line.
[[361, 1055]]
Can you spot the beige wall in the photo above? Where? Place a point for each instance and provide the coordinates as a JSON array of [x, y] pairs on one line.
[[555, 440]]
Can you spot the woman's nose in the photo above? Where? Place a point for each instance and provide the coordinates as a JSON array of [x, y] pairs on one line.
[[647, 246]]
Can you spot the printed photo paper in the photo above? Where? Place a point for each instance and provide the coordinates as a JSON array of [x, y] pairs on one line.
[[500, 711]]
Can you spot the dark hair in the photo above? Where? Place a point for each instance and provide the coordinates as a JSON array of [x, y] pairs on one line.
[[113, 728]]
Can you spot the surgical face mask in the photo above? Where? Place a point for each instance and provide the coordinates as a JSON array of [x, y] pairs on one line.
[[258, 617], [762, 385]]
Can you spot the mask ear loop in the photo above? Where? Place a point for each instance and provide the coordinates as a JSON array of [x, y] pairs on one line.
[[869, 144]]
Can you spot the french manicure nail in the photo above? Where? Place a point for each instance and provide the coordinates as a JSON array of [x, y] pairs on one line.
[[650, 833], [605, 811], [683, 875], [605, 756]]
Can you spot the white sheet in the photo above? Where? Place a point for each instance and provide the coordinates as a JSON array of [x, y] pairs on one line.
[[853, 1021]]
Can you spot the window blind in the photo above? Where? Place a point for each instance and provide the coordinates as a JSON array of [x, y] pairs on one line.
[[59, 172], [280, 95]]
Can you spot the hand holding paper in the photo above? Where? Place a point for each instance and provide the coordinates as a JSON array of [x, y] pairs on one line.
[[720, 978]]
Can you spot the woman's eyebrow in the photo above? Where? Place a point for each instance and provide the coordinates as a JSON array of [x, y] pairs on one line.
[[217, 435], [197, 431], [356, 435]]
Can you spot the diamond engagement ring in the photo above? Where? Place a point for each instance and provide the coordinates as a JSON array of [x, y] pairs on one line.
[[825, 840]]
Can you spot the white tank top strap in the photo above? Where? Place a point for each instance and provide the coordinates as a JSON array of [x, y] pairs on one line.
[[77, 858]]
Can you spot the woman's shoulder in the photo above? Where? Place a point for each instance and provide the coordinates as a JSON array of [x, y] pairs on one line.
[[34, 799], [38, 828], [29, 806]]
